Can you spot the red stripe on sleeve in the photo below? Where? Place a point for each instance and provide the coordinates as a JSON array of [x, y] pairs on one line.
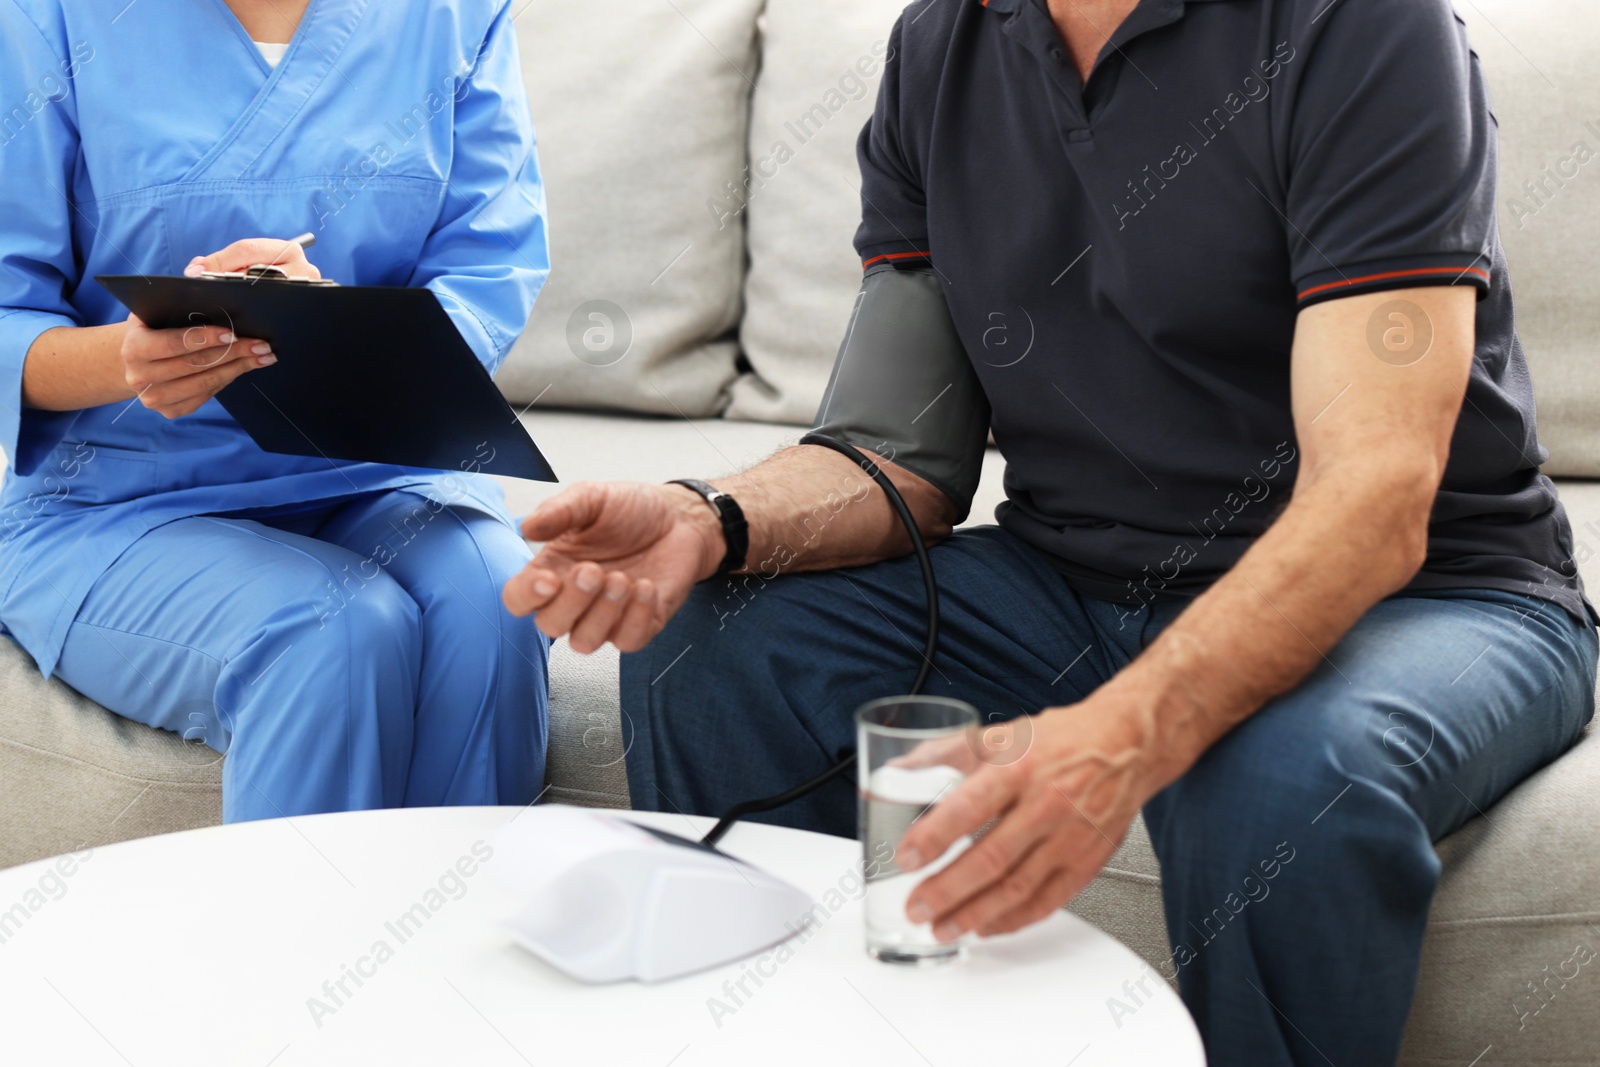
[[895, 255], [1387, 275]]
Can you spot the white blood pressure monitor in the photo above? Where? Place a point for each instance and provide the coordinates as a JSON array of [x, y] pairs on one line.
[[608, 899]]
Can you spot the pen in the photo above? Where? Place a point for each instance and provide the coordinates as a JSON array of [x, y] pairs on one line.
[[304, 241], [257, 271]]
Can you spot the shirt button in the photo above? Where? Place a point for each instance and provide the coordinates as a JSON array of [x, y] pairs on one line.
[[1056, 54]]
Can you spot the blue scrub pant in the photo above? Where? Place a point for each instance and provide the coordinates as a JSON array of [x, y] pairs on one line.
[[1331, 796], [346, 655]]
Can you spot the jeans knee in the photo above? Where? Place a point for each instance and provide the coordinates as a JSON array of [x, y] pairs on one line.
[[1241, 817], [1252, 790]]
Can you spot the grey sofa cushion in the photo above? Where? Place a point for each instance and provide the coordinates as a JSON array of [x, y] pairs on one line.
[[1511, 956], [641, 109], [73, 776], [585, 762], [820, 65], [1539, 59]]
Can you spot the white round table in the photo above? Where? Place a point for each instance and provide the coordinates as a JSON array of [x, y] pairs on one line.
[[375, 938]]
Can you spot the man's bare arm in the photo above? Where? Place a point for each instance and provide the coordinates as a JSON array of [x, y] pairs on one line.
[[827, 512], [620, 557], [1374, 440]]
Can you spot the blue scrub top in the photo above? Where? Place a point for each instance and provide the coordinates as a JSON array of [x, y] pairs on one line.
[[146, 134]]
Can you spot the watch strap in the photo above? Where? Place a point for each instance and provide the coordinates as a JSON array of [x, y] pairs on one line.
[[735, 532]]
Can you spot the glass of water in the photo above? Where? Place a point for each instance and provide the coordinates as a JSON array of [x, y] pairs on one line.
[[910, 752]]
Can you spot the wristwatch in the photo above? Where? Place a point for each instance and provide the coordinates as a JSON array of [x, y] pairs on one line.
[[734, 531]]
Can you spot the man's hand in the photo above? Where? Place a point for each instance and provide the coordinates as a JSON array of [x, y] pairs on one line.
[[619, 559], [1063, 806]]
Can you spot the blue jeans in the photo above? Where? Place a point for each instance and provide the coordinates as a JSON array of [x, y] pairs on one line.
[[1428, 711], [345, 655]]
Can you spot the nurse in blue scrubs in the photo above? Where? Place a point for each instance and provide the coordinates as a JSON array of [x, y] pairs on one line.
[[335, 628]]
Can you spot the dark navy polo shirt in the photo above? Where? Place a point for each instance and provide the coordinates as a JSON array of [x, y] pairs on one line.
[[1125, 259]]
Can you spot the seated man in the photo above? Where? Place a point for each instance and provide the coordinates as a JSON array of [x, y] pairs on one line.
[[1276, 560]]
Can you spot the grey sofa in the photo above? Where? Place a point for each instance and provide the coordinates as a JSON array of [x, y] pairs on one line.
[[743, 322]]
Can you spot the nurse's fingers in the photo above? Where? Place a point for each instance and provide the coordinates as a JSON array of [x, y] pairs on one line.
[[595, 627], [286, 255], [140, 342], [190, 363], [183, 396], [201, 358], [193, 374], [578, 591], [151, 356]]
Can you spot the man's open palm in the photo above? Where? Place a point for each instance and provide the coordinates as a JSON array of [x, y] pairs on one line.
[[619, 558]]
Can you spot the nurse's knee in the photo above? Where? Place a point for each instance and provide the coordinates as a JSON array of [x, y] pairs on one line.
[[333, 609], [376, 621], [463, 614], [484, 641], [344, 661]]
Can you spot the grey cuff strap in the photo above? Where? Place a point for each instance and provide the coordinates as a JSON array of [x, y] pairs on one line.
[[903, 387]]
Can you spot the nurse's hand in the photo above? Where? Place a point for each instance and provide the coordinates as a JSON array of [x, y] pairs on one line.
[[285, 255], [175, 371], [619, 559]]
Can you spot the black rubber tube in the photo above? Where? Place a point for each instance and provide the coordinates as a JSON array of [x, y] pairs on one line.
[[930, 645]]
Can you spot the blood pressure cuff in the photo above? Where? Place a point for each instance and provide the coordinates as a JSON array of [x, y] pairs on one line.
[[903, 387]]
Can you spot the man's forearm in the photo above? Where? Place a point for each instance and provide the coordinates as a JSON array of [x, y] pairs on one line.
[[1340, 546], [810, 508], [620, 558]]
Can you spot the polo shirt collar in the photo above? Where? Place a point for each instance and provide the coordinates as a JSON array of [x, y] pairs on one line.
[[1036, 31], [1012, 6]]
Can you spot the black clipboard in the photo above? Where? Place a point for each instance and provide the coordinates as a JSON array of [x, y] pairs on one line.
[[370, 374]]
